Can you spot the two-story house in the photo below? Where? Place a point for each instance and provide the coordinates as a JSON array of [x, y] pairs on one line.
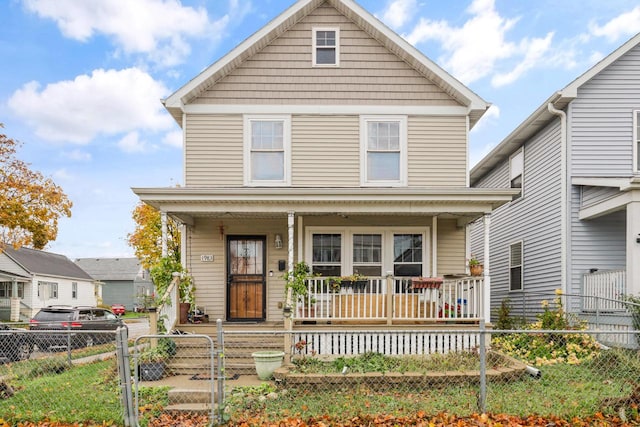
[[327, 138], [575, 225]]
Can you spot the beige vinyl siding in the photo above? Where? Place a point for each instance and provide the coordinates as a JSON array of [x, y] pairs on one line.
[[437, 151], [325, 151], [451, 247], [214, 150], [282, 73], [209, 277]]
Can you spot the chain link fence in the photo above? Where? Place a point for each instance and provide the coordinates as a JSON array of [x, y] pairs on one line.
[[325, 372]]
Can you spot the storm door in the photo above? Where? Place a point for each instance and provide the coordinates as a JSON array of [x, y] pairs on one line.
[[246, 280]]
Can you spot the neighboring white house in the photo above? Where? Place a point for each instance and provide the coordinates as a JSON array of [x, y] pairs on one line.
[[576, 224], [31, 279]]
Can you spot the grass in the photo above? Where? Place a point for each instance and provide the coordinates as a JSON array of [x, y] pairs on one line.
[[564, 390]]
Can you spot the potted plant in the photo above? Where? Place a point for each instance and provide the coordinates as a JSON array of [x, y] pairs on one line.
[[151, 364], [297, 283], [186, 290], [355, 281], [152, 360], [475, 267]]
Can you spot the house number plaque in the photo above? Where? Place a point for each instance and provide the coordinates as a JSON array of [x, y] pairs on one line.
[[206, 258]]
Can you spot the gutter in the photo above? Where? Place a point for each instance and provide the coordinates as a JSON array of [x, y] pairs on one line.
[[563, 195]]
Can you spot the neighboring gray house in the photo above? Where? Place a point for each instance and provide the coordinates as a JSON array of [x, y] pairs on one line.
[[576, 224], [31, 279], [124, 280]]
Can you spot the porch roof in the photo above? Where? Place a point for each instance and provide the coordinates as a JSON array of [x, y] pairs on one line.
[[464, 203]]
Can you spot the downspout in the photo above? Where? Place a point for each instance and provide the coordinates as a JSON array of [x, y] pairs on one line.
[[564, 237]]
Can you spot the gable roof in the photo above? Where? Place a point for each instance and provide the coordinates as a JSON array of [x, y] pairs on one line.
[[175, 103], [46, 263], [111, 268], [542, 116]]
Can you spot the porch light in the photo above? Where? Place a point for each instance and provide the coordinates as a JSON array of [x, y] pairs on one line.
[[278, 241]]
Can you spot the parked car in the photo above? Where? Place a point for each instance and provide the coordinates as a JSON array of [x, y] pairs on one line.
[[15, 343], [118, 309], [79, 326]]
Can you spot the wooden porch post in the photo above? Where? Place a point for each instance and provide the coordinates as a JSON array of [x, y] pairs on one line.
[[390, 298], [487, 269], [288, 322], [15, 302], [163, 222]]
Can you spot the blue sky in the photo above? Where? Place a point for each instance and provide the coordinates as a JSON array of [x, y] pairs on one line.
[[82, 80]]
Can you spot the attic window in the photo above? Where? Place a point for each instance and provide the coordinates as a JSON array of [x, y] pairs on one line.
[[326, 47]]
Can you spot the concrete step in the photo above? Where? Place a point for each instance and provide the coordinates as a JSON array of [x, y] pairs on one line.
[[199, 408], [183, 396]]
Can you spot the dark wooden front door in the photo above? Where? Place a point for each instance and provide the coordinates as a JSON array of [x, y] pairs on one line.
[[246, 279]]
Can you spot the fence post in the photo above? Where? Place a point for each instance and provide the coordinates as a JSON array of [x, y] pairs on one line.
[[221, 374], [153, 326], [482, 400], [124, 369]]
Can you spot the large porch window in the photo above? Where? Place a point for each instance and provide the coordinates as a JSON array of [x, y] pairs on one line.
[[6, 290], [370, 252]]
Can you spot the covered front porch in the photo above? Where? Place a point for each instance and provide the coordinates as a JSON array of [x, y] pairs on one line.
[[411, 244]]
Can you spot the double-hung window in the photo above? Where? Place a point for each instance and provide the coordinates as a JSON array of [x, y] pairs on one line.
[[383, 150], [267, 142], [516, 171], [326, 47], [326, 254], [407, 255], [515, 266]]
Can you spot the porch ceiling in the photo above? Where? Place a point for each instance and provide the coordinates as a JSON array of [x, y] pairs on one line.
[[468, 203]]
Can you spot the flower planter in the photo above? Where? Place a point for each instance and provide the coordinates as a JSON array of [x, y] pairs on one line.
[[267, 362], [476, 270]]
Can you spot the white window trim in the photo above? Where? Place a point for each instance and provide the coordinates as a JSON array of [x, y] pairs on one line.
[[314, 47], [364, 180], [387, 245], [286, 143], [636, 143], [521, 242], [519, 151]]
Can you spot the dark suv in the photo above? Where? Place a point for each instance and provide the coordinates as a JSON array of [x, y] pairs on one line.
[[15, 344], [81, 326]]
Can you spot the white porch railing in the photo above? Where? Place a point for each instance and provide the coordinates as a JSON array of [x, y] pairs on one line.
[[602, 290], [168, 309], [393, 300], [5, 302]]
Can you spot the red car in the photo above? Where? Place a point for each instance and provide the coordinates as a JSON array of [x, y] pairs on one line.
[[118, 309]]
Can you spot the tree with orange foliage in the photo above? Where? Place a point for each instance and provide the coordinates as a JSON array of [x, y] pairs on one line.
[[146, 240], [30, 204]]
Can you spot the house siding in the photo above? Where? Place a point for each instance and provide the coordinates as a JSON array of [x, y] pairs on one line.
[[8, 265], [282, 72], [601, 123], [534, 219], [597, 243], [451, 247], [593, 195], [325, 151]]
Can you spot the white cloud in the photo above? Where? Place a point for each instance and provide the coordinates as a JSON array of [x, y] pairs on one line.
[[477, 48], [131, 143], [623, 25], [157, 28], [62, 175], [398, 12], [78, 155], [173, 139], [107, 102], [534, 50]]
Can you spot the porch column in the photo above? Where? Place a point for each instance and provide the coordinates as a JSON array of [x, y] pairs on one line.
[[163, 222], [288, 322], [633, 247], [487, 270], [15, 302]]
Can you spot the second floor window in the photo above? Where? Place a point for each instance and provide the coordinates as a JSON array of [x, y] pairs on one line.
[[74, 290], [267, 142], [516, 171], [384, 150], [326, 47]]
